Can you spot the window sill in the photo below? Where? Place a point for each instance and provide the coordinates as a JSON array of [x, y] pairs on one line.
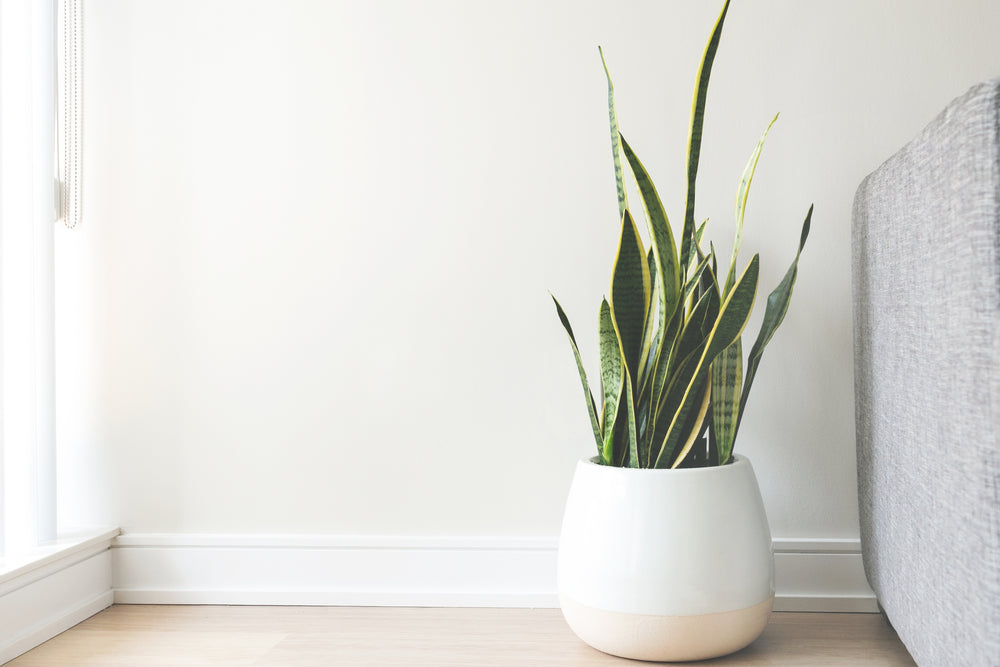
[[17, 566]]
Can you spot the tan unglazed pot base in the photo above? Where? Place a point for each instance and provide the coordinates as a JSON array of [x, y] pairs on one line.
[[666, 638]]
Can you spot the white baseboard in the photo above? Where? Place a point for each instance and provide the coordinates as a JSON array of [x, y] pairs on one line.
[[821, 575], [60, 586], [810, 574]]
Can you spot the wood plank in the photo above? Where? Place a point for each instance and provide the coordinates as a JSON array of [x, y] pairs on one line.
[[159, 635]]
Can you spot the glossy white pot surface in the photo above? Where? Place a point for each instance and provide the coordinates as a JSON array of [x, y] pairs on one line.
[[666, 542]]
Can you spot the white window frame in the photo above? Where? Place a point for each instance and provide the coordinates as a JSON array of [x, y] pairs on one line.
[[27, 221]]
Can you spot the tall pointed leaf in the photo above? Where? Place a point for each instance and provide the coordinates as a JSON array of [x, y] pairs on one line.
[[727, 380], [660, 234], [732, 320], [666, 290], [715, 267], [633, 443], [692, 333], [616, 147], [683, 373], [741, 203], [694, 137], [661, 373], [774, 314], [591, 406], [696, 429], [695, 243], [653, 326], [630, 294], [612, 377], [696, 276]]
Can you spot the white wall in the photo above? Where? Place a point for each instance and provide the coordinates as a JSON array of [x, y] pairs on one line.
[[310, 292]]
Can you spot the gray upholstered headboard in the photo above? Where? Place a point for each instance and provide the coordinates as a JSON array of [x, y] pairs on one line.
[[926, 263]]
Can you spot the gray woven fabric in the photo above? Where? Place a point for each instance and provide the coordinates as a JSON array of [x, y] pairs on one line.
[[926, 263]]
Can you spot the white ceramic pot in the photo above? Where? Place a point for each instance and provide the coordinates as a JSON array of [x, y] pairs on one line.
[[666, 565]]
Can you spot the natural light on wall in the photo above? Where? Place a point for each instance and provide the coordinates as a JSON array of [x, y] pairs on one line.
[[28, 203]]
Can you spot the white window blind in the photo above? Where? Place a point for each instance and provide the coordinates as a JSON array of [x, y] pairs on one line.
[[27, 218]]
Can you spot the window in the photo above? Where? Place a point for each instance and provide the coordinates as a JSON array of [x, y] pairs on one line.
[[27, 220]]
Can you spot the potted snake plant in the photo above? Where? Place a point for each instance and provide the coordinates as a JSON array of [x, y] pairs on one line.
[[665, 551]]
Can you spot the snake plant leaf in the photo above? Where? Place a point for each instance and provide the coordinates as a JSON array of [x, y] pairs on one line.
[[728, 327], [612, 378], [735, 311], [696, 253], [692, 333], [741, 203], [685, 352], [699, 233], [643, 414], [683, 373], [709, 285], [727, 380], [653, 325], [774, 314], [696, 277], [630, 293], [694, 136], [633, 442], [591, 406], [696, 430], [666, 276], [661, 237], [616, 148], [715, 267], [695, 242], [661, 374]]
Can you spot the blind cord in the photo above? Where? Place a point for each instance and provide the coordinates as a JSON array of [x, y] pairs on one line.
[[69, 125]]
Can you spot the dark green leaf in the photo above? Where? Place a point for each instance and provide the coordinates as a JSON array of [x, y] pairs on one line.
[[612, 376], [694, 429], [615, 141], [727, 379], [741, 204], [630, 294], [661, 237], [694, 137], [732, 319], [591, 406], [774, 314], [633, 451]]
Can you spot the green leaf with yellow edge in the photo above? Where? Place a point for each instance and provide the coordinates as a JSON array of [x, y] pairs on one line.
[[732, 320], [727, 380], [695, 242], [652, 328], [630, 294], [661, 373], [683, 372], [616, 148], [696, 276], [591, 406], [661, 237], [690, 339], [665, 273], [692, 333], [741, 203], [694, 136], [612, 378], [633, 442], [774, 315], [696, 430]]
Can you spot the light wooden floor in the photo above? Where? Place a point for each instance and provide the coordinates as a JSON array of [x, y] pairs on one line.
[[191, 635]]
